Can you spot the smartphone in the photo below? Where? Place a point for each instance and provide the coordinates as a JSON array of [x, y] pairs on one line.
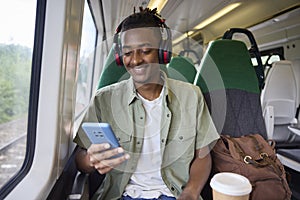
[[100, 133]]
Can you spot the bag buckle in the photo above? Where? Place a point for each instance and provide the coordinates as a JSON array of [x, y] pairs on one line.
[[263, 155], [246, 158]]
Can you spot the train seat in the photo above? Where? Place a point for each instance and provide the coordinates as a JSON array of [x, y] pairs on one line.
[[182, 68], [279, 102], [290, 158], [112, 73], [229, 84]]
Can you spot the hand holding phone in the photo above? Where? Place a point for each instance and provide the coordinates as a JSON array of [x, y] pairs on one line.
[[100, 133]]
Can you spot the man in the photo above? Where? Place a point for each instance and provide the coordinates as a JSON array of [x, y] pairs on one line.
[[163, 125]]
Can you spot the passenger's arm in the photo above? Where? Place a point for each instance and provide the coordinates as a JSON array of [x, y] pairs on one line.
[[99, 157], [82, 160], [199, 173]]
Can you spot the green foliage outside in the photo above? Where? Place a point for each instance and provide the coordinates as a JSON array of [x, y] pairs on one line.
[[15, 70]]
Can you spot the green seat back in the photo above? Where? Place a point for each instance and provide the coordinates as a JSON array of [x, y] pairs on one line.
[[112, 73], [227, 64], [182, 68], [229, 84]]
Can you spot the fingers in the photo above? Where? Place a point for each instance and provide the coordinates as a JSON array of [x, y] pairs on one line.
[[105, 159], [95, 148], [107, 165], [99, 152]]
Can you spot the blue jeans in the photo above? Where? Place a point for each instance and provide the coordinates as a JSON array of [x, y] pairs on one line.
[[162, 197]]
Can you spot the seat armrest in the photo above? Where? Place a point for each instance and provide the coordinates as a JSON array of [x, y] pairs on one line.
[[268, 115], [289, 158], [295, 128], [79, 187]]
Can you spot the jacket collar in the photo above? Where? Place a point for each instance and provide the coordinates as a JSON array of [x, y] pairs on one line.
[[132, 93]]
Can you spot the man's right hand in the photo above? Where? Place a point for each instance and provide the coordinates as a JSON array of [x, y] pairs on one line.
[[100, 156]]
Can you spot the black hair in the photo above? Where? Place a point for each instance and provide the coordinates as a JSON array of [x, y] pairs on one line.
[[145, 18]]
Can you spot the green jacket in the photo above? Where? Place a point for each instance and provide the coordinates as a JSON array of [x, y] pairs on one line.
[[186, 126]]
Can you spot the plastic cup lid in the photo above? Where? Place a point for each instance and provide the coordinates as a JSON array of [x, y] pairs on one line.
[[231, 184]]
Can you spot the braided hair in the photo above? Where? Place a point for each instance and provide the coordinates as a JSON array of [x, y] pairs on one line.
[[145, 18]]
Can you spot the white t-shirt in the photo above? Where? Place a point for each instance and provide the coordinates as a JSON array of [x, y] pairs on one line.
[[146, 181]]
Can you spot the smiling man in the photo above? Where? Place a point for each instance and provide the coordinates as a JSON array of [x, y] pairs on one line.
[[163, 125], [140, 57]]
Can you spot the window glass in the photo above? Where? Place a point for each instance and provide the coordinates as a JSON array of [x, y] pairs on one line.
[[268, 61], [254, 61], [17, 21], [86, 65]]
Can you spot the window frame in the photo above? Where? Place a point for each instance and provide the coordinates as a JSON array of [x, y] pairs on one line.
[[33, 99]]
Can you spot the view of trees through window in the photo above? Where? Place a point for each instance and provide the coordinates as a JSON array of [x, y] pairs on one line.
[[15, 62], [17, 20]]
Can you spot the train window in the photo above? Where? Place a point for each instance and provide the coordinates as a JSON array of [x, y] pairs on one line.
[[268, 57], [86, 65], [268, 60], [17, 21]]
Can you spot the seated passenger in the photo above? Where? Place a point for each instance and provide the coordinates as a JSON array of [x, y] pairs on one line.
[[163, 125]]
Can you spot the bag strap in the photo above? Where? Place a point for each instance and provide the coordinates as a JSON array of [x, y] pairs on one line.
[[264, 155], [265, 159], [247, 158]]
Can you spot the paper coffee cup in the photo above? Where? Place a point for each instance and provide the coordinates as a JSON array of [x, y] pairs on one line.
[[230, 186]]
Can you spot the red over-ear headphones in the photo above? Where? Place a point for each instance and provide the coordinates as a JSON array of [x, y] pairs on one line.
[[165, 48]]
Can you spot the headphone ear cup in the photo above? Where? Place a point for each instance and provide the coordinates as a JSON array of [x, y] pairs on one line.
[[118, 57], [117, 51], [164, 56], [165, 49]]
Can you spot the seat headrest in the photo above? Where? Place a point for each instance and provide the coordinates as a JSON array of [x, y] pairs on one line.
[[227, 65], [182, 68], [112, 73]]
